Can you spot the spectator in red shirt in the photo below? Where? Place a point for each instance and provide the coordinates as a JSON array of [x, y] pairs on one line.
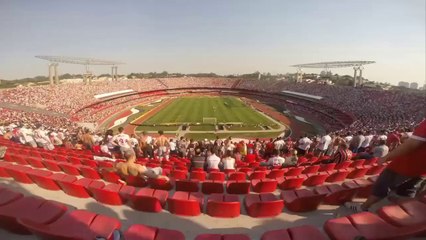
[[393, 140], [269, 148], [408, 164], [343, 154]]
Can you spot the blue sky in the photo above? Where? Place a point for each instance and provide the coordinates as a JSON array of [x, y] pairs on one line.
[[219, 36]]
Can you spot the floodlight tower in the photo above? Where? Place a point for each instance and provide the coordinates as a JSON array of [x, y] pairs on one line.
[[358, 66], [87, 62]]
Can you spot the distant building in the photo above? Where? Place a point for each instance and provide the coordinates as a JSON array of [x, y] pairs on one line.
[[414, 85], [404, 84]]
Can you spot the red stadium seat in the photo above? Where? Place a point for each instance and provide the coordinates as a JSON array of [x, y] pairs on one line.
[[3, 172], [198, 175], [263, 205], [358, 172], [357, 163], [228, 171], [264, 185], [45, 179], [259, 168], [89, 163], [222, 237], [311, 169], [187, 185], [74, 160], [337, 176], [374, 170], [179, 174], [78, 224], [362, 186], [69, 168], [295, 233], [276, 173], [287, 183], [370, 162], [367, 225], [52, 165], [19, 173], [257, 175], [408, 213], [294, 171], [237, 176], [326, 167], [8, 156], [136, 181], [8, 196], [107, 194], [245, 170], [35, 162], [73, 187], [144, 232], [222, 205], [237, 187], [185, 203], [302, 200], [161, 184], [89, 172], [20, 159], [217, 176], [315, 179], [211, 186], [335, 194], [342, 165], [149, 200], [36, 209], [61, 158], [111, 177]]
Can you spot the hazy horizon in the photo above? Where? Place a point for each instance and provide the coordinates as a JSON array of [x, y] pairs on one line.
[[224, 37]]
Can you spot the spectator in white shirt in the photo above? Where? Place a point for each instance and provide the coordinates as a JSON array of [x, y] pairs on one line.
[[304, 145], [27, 134], [276, 160], [172, 147], [324, 144], [367, 141], [123, 140], [212, 160], [279, 144], [228, 161], [348, 138]]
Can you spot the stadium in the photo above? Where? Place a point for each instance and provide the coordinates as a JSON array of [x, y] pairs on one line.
[[213, 150], [232, 109]]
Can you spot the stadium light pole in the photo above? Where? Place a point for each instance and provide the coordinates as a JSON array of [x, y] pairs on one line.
[[361, 82], [55, 60], [55, 67], [355, 72], [357, 66], [51, 73]]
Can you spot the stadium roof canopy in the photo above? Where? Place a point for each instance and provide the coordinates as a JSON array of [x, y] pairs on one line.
[[78, 60], [336, 64]]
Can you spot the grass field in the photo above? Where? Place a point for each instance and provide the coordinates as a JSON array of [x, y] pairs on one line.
[[191, 110]]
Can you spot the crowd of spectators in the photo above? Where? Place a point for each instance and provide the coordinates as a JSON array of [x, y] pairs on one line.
[[372, 109]]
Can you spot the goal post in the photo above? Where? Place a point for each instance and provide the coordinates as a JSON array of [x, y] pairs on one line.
[[209, 120]]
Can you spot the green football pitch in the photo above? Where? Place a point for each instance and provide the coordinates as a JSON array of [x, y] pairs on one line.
[[192, 110]]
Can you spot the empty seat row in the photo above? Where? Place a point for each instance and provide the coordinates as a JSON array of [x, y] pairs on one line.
[[154, 200], [214, 186], [404, 220]]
